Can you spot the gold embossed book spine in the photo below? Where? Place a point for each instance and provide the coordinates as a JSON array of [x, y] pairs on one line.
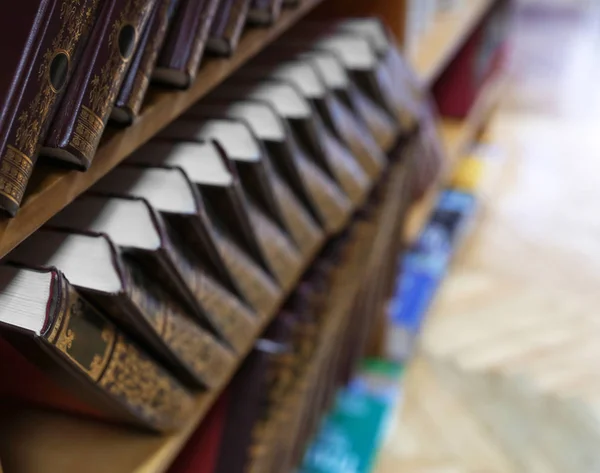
[[137, 80], [81, 119], [81, 362], [46, 70]]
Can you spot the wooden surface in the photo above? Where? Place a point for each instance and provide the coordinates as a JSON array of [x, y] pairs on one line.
[[511, 343], [51, 188], [444, 37], [457, 136]]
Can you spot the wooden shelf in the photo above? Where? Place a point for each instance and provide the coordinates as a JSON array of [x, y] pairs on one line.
[[457, 136], [444, 37], [51, 188]]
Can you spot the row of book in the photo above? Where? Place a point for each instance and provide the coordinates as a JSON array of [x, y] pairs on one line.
[[150, 287], [71, 65]]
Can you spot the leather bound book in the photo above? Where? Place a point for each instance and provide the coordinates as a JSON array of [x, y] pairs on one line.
[[227, 26], [171, 192], [137, 80], [137, 229], [79, 123], [66, 354], [318, 191], [382, 126], [264, 12], [329, 153], [182, 52], [43, 43], [260, 177], [338, 119], [241, 218], [116, 284]]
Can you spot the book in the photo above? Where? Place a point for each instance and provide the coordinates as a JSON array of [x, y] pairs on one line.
[[264, 12], [137, 229], [66, 354], [136, 303], [382, 126], [137, 80], [227, 26], [182, 52], [260, 178], [81, 118], [251, 228], [329, 153], [338, 119], [318, 191], [171, 192], [44, 41]]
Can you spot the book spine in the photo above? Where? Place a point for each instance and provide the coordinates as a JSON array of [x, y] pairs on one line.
[[80, 123], [185, 43], [105, 356], [235, 322], [195, 349], [228, 26], [63, 39], [137, 80]]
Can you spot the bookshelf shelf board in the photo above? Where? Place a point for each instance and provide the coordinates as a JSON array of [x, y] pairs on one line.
[[457, 136], [444, 37], [52, 188]]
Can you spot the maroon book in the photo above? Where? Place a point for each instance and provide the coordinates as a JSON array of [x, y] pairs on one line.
[[182, 52], [227, 26]]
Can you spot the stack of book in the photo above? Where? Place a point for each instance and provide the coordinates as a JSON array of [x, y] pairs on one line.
[[152, 286], [74, 65]]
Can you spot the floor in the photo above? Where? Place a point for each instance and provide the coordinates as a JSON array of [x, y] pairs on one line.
[[507, 378]]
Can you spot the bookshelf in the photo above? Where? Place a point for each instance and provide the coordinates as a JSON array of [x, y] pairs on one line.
[[444, 37], [34, 440], [52, 188]]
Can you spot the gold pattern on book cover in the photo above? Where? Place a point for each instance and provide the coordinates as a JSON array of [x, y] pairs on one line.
[[82, 334], [138, 382], [198, 349], [17, 161], [103, 87]]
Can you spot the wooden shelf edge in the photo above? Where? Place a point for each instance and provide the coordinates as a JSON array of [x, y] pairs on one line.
[[444, 38], [457, 136], [52, 188]]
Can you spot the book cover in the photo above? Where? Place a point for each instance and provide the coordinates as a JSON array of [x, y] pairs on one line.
[[115, 284], [227, 26], [182, 52], [81, 118], [74, 358], [44, 42]]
